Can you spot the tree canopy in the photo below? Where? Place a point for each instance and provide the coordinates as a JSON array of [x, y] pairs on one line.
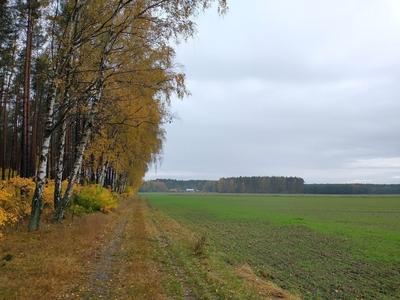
[[86, 87]]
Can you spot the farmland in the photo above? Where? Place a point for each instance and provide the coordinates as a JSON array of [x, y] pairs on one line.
[[321, 247]]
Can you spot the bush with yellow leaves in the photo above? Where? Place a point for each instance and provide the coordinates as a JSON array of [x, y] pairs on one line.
[[93, 198], [129, 191], [16, 197]]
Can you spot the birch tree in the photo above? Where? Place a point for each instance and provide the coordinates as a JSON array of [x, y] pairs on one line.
[[62, 49], [89, 37]]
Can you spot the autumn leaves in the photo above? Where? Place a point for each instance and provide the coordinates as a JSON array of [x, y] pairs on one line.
[[112, 75]]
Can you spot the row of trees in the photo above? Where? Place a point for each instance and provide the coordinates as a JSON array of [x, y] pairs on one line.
[[164, 185], [288, 185], [349, 189], [280, 185], [85, 88]]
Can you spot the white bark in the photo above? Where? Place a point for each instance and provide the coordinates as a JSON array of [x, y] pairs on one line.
[[95, 99], [62, 57], [59, 168], [103, 173], [36, 206]]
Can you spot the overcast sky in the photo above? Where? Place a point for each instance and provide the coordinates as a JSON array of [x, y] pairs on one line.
[[304, 88]]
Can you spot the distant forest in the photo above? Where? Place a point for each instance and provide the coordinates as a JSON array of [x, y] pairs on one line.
[[274, 185]]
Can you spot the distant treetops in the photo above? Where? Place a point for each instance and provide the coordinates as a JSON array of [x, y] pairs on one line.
[[288, 185], [273, 185]]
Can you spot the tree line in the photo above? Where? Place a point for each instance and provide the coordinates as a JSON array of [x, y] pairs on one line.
[[350, 189], [85, 89], [275, 185]]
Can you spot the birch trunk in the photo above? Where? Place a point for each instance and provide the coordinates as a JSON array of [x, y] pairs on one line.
[[63, 58], [63, 205], [103, 174], [59, 170], [36, 206], [95, 99]]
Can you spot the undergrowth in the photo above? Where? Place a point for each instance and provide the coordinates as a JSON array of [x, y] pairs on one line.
[[16, 197], [90, 198]]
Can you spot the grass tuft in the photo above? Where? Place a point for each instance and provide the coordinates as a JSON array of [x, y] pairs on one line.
[[200, 246], [8, 257], [264, 288]]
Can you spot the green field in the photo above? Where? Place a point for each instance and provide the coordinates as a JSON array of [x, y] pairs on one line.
[[323, 247]]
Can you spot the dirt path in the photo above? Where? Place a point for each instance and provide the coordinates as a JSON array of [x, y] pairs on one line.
[[148, 255]]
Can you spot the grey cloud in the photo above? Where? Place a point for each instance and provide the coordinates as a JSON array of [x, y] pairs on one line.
[[305, 88]]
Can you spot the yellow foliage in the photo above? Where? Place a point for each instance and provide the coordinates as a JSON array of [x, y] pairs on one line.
[[16, 197], [94, 198], [129, 191]]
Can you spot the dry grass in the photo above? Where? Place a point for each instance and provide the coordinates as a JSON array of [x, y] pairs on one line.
[[49, 261], [129, 267], [265, 289], [136, 272]]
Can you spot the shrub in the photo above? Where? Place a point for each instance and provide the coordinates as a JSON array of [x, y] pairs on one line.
[[129, 191], [93, 198], [16, 198]]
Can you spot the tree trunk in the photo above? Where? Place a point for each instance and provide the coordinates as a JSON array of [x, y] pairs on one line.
[[25, 160], [4, 141], [32, 166], [14, 153], [91, 113], [36, 207], [59, 170], [103, 174], [6, 95], [62, 207], [2, 148], [63, 59]]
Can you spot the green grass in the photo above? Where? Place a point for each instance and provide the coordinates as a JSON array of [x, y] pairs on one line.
[[326, 247]]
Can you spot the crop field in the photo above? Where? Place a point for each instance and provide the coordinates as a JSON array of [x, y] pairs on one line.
[[321, 247]]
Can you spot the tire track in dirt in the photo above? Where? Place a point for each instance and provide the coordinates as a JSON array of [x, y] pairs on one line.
[[100, 281], [102, 273], [177, 268], [125, 268], [97, 283]]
